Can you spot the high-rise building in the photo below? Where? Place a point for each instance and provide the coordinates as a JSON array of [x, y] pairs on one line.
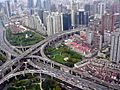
[[109, 21], [89, 36], [54, 23], [30, 7], [40, 14], [119, 13], [45, 14], [119, 6], [66, 21], [49, 25], [83, 18], [47, 5], [53, 8], [34, 22], [57, 22], [100, 42], [101, 9], [90, 9], [115, 46], [38, 4], [15, 3], [73, 5], [8, 8], [59, 7], [73, 18], [73, 13]]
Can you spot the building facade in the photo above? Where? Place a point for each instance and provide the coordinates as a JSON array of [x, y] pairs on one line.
[[30, 7], [8, 8], [38, 4], [115, 46], [66, 21], [83, 18], [54, 24]]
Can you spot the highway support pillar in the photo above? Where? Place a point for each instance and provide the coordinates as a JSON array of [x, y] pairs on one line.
[[11, 69], [15, 77], [40, 77], [2, 74]]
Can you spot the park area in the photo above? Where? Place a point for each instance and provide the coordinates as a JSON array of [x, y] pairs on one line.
[[28, 82], [51, 84], [32, 82], [25, 38], [63, 55], [2, 59]]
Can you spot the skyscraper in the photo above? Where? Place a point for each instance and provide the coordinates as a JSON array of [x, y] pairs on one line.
[[8, 8], [15, 3], [47, 5], [45, 14], [83, 18], [54, 23], [30, 6], [57, 22], [66, 21], [49, 25], [38, 4], [89, 36], [73, 18], [40, 13], [119, 12], [115, 46], [101, 9]]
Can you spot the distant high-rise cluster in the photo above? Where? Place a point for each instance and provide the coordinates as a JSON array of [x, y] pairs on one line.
[[8, 8], [38, 4], [31, 7]]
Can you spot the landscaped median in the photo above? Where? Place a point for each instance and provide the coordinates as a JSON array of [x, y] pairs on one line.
[[63, 55], [24, 38]]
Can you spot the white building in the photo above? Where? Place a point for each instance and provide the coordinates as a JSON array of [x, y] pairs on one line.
[[45, 15], [54, 23], [73, 18], [101, 9], [115, 46], [89, 36]]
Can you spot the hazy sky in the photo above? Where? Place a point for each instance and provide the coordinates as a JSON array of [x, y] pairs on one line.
[[2, 0], [12, 0], [18, 0]]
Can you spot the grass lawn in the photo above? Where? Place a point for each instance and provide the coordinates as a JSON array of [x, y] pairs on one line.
[[59, 58], [62, 52], [20, 38]]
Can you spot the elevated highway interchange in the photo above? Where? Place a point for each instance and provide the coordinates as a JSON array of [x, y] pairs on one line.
[[74, 80]]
